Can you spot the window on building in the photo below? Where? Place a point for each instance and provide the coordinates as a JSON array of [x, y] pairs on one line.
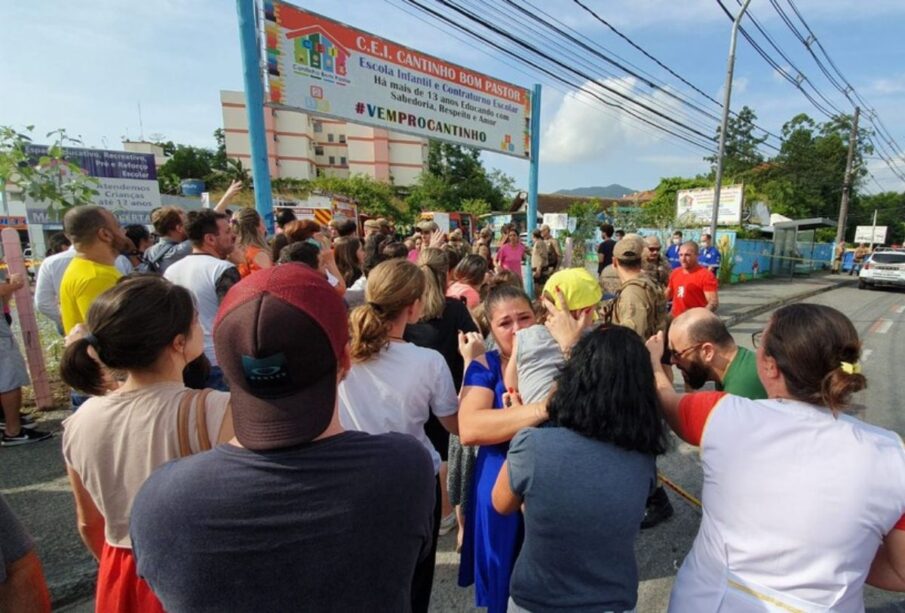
[[342, 161], [318, 127], [332, 160], [342, 138], [318, 150], [330, 138]]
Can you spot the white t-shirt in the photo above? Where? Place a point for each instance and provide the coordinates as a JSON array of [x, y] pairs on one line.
[[115, 442], [796, 502], [199, 273], [396, 391]]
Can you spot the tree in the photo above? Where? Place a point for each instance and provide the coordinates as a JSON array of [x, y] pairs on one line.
[[890, 207], [374, 197], [454, 175], [476, 207], [49, 178], [585, 215], [741, 154], [805, 178]]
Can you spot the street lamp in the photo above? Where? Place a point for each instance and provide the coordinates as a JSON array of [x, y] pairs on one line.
[[727, 93]]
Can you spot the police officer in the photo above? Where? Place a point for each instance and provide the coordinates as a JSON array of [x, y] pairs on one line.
[[639, 303], [655, 265], [710, 257]]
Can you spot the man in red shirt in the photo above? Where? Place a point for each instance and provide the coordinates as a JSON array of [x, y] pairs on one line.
[[691, 285]]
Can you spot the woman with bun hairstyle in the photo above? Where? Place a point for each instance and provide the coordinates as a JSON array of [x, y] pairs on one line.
[[394, 385], [799, 496], [147, 328]]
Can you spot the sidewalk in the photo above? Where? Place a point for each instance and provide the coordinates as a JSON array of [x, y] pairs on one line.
[[746, 300]]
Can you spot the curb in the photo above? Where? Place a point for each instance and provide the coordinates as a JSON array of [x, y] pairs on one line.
[[769, 306]]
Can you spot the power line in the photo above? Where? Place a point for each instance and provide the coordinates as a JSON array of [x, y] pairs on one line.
[[668, 69], [528, 30], [703, 142], [550, 82]]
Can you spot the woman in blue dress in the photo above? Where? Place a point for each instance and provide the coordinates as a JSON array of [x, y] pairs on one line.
[[492, 541]]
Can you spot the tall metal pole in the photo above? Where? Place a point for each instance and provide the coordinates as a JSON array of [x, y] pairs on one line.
[[254, 107], [727, 94], [532, 177], [847, 182], [873, 231]]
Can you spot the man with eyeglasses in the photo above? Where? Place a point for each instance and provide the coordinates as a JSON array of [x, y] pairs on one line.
[[701, 347]]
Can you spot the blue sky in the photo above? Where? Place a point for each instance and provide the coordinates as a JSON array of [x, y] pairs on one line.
[[85, 66]]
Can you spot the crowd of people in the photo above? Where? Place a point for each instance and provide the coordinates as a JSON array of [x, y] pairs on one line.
[[290, 422]]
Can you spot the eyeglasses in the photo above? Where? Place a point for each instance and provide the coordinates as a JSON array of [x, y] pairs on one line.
[[678, 355], [756, 338]]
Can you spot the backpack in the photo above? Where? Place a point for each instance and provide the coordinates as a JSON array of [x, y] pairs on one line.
[[552, 257], [153, 265], [657, 315]]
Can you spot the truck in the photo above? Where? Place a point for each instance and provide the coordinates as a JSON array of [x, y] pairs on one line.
[[322, 208]]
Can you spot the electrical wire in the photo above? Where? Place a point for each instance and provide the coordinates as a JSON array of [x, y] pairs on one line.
[[702, 143]]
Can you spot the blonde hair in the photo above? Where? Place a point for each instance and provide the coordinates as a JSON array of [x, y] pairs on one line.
[[434, 263], [245, 223], [393, 286]]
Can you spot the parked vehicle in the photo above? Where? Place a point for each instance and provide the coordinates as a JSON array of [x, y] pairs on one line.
[[885, 267], [449, 221]]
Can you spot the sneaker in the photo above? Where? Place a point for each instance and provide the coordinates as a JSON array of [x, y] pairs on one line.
[[24, 437], [447, 524], [26, 422], [658, 509]]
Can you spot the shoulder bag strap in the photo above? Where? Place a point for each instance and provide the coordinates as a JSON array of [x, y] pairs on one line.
[[182, 423], [204, 439]]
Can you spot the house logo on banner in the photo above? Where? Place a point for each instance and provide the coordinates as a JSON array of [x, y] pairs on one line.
[[318, 65]]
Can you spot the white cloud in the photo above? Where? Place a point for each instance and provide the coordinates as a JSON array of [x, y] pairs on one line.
[[886, 87], [584, 128]]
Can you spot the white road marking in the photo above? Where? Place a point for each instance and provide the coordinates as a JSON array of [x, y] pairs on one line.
[[866, 354], [882, 326], [899, 309]]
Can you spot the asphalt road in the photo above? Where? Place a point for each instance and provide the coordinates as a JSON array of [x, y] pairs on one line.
[[33, 480]]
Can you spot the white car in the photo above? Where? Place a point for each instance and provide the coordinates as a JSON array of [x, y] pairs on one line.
[[883, 268]]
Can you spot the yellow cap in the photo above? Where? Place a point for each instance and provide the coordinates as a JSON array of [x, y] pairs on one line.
[[579, 287]]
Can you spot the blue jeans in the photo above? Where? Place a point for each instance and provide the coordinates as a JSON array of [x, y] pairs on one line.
[[76, 399], [216, 380]]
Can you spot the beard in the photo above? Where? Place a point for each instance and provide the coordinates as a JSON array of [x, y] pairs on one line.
[[695, 375]]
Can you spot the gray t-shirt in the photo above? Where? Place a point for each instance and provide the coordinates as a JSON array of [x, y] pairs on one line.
[[584, 501], [538, 359], [333, 525], [14, 541], [166, 253]]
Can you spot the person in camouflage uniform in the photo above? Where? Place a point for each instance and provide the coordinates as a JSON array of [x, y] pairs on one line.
[[640, 303], [655, 265]]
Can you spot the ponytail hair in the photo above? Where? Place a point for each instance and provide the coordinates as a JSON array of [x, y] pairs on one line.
[[130, 325], [393, 286], [434, 263], [816, 349]]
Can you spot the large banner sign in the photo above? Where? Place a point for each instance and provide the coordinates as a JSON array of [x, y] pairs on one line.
[[870, 234], [696, 205], [127, 184], [317, 65]]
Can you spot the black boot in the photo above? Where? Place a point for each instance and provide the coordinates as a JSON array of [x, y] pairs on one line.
[[658, 509]]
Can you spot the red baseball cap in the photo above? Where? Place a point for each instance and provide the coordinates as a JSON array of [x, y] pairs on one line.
[[279, 335]]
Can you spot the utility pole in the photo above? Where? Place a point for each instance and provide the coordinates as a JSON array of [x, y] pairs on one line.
[[847, 184], [873, 231], [727, 94]]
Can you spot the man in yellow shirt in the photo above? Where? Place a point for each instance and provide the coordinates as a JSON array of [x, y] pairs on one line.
[[98, 239]]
